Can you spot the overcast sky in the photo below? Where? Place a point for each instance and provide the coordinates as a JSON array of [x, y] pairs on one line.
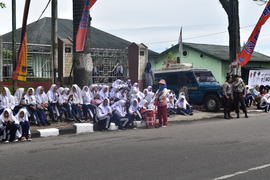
[[156, 22]]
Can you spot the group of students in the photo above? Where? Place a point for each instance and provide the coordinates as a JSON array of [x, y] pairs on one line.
[[258, 96], [121, 103]]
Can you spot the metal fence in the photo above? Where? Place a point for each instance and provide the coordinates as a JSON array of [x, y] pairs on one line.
[[106, 63]]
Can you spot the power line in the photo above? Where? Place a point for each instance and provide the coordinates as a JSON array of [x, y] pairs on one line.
[[44, 10], [201, 36]]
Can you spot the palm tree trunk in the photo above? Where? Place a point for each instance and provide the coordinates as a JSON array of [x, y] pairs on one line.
[[82, 61]]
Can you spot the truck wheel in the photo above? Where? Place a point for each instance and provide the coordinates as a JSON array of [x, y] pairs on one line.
[[212, 103]]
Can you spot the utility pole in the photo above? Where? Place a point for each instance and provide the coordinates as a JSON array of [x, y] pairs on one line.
[[54, 41], [14, 54]]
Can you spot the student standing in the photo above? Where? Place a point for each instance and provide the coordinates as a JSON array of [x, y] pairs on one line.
[[161, 103]]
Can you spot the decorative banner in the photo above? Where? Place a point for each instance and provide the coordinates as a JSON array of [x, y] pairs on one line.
[[83, 27], [259, 77], [21, 68], [249, 47]]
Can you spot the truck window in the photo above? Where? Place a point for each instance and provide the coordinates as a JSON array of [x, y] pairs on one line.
[[205, 77], [190, 78], [172, 79]]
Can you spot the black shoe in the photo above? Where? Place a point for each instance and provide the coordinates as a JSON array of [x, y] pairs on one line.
[[238, 116]]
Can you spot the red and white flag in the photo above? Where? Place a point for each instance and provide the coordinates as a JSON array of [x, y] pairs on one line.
[[83, 27], [249, 47]]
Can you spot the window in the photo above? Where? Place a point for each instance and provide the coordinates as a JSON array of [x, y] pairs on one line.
[[7, 71], [68, 50], [185, 53], [141, 53], [205, 76]]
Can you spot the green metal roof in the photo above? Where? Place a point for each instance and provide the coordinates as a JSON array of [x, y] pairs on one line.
[[219, 52]]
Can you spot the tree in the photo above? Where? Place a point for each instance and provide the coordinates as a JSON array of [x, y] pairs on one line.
[[82, 61], [2, 5], [232, 9]]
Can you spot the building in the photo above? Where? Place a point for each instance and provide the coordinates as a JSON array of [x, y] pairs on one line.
[[107, 51], [212, 57]]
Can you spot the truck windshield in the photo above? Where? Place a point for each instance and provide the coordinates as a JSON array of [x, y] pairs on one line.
[[205, 77]]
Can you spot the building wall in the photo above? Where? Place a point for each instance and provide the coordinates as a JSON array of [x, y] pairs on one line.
[[1, 60], [197, 59], [67, 64]]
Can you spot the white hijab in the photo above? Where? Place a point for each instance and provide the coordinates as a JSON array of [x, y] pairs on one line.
[[86, 96], [10, 117], [41, 98], [30, 99], [18, 96], [120, 107], [52, 96], [26, 115], [133, 108], [77, 96]]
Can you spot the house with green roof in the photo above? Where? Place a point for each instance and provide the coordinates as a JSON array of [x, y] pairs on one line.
[[205, 56]]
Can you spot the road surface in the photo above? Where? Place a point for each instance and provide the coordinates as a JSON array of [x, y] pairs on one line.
[[216, 149]]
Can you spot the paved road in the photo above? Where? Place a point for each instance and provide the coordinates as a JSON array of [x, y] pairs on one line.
[[221, 149]]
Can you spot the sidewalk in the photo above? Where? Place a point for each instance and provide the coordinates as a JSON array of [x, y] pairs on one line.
[[62, 128]]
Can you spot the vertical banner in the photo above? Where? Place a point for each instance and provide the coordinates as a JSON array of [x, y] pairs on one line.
[[21, 68], [180, 41], [249, 47], [83, 27]]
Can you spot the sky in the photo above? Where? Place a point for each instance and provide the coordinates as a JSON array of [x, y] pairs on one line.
[[156, 23]]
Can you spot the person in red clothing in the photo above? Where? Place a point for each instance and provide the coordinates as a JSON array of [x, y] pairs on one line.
[[161, 103]]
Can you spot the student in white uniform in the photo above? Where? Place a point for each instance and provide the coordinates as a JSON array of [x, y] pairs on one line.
[[265, 102], [134, 112], [76, 101], [30, 100], [171, 105], [22, 118], [9, 124], [19, 100], [88, 108], [53, 99], [42, 105], [10, 98], [3, 100], [104, 115], [104, 93], [183, 106], [63, 106], [120, 115]]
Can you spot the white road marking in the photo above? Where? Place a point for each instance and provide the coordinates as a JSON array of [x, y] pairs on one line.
[[242, 172]]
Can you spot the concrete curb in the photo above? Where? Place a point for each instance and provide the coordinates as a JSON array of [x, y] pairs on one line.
[[79, 128]]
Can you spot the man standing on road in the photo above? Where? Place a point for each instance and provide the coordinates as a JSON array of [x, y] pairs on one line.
[[238, 86], [227, 98]]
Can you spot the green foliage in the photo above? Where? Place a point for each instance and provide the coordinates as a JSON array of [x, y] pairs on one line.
[[7, 54], [2, 5]]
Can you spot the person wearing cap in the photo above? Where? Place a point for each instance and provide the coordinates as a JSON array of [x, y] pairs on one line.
[[161, 103], [227, 97], [238, 86]]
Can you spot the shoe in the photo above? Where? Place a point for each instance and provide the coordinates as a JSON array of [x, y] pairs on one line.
[[29, 139], [16, 140], [6, 142], [163, 126]]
